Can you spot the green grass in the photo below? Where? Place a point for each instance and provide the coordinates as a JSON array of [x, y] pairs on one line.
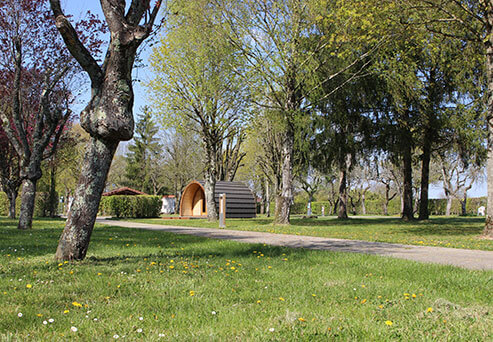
[[194, 289], [455, 232]]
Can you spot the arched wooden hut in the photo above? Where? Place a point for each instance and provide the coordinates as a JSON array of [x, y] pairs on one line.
[[240, 202]]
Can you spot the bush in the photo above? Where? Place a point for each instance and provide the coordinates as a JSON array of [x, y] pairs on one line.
[[41, 204], [130, 206]]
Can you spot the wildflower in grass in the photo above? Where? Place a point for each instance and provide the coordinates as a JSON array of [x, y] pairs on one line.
[[139, 330], [389, 323], [74, 329], [19, 314], [51, 320], [39, 315], [29, 286], [161, 335], [314, 295], [363, 301], [141, 318], [414, 295], [258, 301], [213, 312], [380, 306], [66, 311], [115, 336], [79, 305], [281, 299], [301, 319], [45, 322], [192, 293], [429, 310], [99, 273], [271, 329]]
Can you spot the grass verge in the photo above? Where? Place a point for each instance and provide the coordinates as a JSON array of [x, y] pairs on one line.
[[145, 285], [454, 232]]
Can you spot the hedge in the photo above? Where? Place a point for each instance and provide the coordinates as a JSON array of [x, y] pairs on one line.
[[130, 206], [41, 204]]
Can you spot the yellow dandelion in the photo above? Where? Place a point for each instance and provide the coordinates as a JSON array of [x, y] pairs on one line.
[[363, 301], [192, 293], [389, 323], [414, 295], [258, 301], [66, 311], [79, 305], [380, 306], [429, 310], [29, 286], [99, 273], [39, 315], [171, 267], [281, 299], [301, 319]]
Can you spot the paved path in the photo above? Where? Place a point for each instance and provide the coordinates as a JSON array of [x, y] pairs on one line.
[[471, 259]]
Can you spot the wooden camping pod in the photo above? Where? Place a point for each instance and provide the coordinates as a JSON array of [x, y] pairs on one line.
[[240, 202]]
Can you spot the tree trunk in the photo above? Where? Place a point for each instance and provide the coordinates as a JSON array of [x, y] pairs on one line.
[[75, 238], [407, 210], [267, 198], [363, 206], [12, 196], [209, 189], [463, 204], [342, 210], [387, 200], [285, 193], [53, 200], [425, 178], [28, 196], [449, 205]]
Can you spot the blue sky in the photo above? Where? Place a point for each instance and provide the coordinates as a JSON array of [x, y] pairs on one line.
[[78, 8]]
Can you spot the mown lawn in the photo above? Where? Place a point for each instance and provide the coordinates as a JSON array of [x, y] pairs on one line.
[[456, 232], [145, 285]]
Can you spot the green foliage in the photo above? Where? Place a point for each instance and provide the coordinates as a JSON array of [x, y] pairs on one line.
[[130, 206], [141, 169], [41, 204]]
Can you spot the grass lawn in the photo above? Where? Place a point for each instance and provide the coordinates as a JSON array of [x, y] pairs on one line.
[[456, 232], [145, 285]]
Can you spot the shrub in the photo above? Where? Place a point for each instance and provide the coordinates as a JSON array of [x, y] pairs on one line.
[[130, 206]]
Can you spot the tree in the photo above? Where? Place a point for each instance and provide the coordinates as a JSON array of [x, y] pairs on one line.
[[182, 161], [10, 179], [35, 77], [197, 86], [108, 117], [471, 23], [143, 154]]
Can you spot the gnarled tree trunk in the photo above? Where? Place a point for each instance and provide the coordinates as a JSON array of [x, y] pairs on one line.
[[108, 117]]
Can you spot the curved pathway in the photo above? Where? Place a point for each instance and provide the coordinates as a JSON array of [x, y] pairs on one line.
[[471, 259]]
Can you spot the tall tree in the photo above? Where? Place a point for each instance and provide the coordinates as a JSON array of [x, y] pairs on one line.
[[10, 179], [197, 85], [471, 23], [143, 154], [108, 117]]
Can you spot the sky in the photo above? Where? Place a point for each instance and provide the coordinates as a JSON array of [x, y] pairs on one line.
[[78, 8]]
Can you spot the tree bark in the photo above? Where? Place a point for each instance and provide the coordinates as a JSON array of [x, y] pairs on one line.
[[53, 200], [342, 209], [407, 210], [209, 189], [285, 193], [449, 205], [75, 238], [28, 196], [12, 196], [425, 178], [267, 198], [363, 206]]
